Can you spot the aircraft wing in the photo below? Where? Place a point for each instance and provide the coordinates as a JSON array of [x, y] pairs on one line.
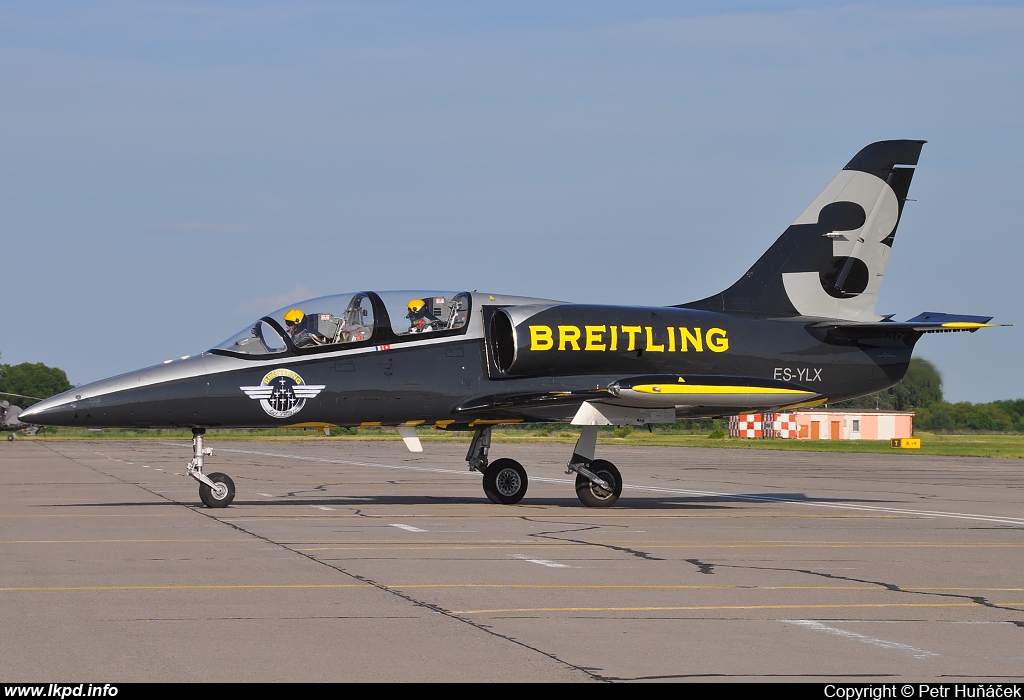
[[531, 400], [659, 391]]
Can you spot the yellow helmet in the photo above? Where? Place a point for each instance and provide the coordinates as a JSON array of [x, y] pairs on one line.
[[294, 317], [416, 305]]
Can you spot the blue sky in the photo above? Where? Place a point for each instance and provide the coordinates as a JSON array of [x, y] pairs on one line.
[[170, 171]]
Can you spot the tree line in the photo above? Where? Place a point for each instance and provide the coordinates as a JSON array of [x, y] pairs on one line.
[[31, 379], [921, 392]]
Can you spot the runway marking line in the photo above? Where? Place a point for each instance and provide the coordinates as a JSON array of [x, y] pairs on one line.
[[505, 544], [238, 540], [525, 586], [857, 637], [543, 562], [65, 589], [578, 545], [684, 608], [409, 528], [89, 515]]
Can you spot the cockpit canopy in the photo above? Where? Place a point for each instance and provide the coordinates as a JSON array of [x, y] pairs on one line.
[[345, 320]]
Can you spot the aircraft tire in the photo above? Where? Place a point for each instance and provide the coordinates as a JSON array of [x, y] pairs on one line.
[[505, 481], [210, 499], [593, 495], [10, 438]]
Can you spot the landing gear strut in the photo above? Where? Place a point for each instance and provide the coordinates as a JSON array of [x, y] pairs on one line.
[[216, 490], [598, 482], [478, 449], [505, 481]]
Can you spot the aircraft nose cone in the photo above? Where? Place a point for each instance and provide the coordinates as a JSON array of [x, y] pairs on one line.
[[53, 411], [31, 412]]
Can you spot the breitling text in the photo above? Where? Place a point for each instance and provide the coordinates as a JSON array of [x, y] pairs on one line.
[[628, 338]]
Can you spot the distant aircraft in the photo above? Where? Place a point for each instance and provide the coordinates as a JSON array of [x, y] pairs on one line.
[[9, 419], [797, 330]]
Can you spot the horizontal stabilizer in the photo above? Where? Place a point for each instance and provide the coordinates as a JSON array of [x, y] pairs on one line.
[[957, 322], [927, 322]]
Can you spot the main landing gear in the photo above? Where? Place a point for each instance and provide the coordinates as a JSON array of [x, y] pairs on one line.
[[598, 482], [215, 490], [505, 480]]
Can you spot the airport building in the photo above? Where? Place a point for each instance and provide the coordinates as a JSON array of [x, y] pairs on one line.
[[824, 424]]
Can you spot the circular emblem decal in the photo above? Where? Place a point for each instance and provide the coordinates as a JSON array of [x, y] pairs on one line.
[[282, 393]]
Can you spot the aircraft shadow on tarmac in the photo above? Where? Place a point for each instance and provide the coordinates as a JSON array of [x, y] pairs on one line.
[[651, 502]]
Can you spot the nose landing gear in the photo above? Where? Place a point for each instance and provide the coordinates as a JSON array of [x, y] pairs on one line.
[[216, 490]]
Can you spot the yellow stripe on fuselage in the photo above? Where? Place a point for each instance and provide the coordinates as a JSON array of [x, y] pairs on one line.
[[713, 389]]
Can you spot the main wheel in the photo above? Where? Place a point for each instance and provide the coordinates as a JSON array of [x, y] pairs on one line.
[[505, 481], [222, 496], [10, 438], [593, 495]]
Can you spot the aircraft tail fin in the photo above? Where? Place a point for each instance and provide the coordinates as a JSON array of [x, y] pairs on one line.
[[830, 261]]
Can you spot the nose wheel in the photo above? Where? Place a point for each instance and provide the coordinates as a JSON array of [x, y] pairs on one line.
[[220, 494], [215, 490]]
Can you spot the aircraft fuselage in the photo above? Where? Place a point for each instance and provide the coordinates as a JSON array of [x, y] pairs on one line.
[[423, 379]]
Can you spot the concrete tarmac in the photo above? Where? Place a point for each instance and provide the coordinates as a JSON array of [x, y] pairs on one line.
[[344, 561]]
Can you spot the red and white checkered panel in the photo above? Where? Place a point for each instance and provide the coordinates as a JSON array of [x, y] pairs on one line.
[[784, 425], [748, 425]]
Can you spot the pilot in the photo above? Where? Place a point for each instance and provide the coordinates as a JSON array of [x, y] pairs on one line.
[[295, 320], [420, 319]]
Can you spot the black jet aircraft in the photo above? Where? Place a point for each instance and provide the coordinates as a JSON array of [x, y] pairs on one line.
[[797, 330]]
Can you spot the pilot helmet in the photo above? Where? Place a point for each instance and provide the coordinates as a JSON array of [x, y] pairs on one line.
[[416, 307], [294, 317]]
